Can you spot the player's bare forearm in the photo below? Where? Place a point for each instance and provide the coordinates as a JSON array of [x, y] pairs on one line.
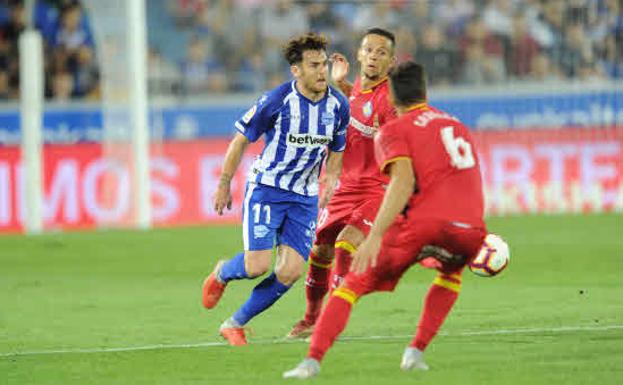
[[345, 86], [399, 190], [222, 198], [331, 175], [334, 164], [232, 158]]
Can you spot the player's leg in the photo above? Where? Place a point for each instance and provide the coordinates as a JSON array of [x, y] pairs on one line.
[[345, 245], [438, 303], [331, 323], [335, 315], [316, 287], [359, 222], [288, 269], [455, 246], [295, 233], [330, 222], [259, 224]]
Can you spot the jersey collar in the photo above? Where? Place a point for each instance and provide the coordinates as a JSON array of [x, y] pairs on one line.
[[374, 85]]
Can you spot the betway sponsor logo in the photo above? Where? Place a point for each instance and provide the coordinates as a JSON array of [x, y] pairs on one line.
[[364, 129], [308, 140]]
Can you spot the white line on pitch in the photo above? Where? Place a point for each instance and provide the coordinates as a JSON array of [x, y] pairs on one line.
[[561, 329]]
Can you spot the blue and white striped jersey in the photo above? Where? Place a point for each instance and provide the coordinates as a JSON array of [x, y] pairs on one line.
[[297, 132]]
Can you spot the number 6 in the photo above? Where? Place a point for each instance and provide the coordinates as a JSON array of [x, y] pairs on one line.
[[459, 149]]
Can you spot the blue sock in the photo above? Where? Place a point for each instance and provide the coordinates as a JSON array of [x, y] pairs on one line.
[[262, 297], [233, 269]]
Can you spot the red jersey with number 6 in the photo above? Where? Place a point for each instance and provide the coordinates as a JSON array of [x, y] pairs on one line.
[[444, 161]]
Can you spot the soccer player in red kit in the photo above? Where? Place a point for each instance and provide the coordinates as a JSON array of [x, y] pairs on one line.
[[345, 222], [434, 202]]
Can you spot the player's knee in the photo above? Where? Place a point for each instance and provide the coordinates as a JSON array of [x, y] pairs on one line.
[[289, 270], [351, 235], [323, 252], [288, 274], [256, 264]]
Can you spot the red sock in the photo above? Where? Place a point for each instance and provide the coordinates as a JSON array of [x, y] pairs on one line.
[[343, 259], [332, 322], [439, 301], [316, 286]]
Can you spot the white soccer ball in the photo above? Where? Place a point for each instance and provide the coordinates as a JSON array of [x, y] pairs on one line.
[[492, 258]]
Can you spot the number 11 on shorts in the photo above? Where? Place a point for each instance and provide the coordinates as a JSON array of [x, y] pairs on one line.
[[257, 211]]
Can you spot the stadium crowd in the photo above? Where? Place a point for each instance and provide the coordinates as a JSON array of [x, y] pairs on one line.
[[234, 45], [71, 69]]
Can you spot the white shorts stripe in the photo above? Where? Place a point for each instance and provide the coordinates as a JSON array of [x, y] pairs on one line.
[[245, 217]]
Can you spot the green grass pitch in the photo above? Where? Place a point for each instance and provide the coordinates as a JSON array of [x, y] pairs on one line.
[[71, 303]]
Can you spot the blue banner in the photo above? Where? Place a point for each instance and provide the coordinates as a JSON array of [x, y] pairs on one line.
[[83, 123]]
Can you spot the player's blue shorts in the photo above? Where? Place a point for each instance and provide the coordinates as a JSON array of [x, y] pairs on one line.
[[274, 216]]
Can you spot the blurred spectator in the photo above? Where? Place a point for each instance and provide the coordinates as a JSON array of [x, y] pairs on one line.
[[438, 56], [62, 86], [406, 44], [232, 42], [458, 41], [250, 76], [5, 86], [541, 70], [497, 16], [85, 72], [574, 52], [547, 27], [163, 78], [453, 15], [186, 11], [482, 55], [416, 15], [379, 14], [72, 32], [278, 23], [522, 48], [16, 23], [611, 60], [200, 73]]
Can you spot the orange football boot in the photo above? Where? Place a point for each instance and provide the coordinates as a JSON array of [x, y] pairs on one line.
[[213, 288], [235, 336]]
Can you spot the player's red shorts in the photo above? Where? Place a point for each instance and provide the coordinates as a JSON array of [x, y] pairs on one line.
[[402, 244], [358, 210]]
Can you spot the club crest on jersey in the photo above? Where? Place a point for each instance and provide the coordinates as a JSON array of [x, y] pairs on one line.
[[249, 114], [367, 109]]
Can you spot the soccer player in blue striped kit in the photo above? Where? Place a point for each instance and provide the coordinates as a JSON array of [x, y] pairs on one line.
[[303, 121]]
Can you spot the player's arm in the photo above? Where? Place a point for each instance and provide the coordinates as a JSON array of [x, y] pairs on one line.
[[339, 70], [233, 156], [399, 190], [331, 175]]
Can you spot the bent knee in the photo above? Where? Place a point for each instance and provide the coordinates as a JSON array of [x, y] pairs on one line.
[[288, 275], [256, 264], [323, 252]]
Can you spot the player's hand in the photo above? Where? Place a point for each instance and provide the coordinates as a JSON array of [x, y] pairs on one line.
[[329, 182], [367, 254], [339, 67], [222, 199]]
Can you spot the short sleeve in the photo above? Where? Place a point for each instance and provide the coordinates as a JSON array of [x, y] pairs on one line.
[[387, 113], [390, 145], [257, 120], [338, 144]]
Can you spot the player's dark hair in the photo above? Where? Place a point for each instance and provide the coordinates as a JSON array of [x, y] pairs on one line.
[[293, 50], [408, 83], [382, 32]]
